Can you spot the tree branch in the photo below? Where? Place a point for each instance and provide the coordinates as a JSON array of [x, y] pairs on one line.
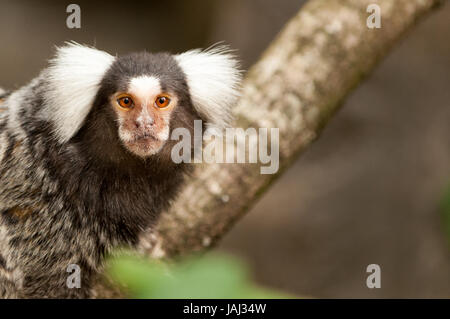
[[297, 85], [299, 82]]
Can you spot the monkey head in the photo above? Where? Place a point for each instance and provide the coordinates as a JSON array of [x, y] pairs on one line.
[[143, 96], [148, 94]]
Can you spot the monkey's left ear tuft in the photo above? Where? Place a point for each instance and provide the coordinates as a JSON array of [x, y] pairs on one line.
[[214, 79], [74, 77]]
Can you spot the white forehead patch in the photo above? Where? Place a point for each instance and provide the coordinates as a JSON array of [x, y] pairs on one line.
[[145, 88]]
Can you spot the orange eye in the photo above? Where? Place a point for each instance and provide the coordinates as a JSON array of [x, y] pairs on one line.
[[162, 101], [125, 102]]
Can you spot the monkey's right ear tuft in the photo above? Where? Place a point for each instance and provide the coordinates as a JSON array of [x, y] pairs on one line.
[[214, 79], [74, 77]]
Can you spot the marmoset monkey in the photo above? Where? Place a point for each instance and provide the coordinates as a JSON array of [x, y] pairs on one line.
[[85, 161]]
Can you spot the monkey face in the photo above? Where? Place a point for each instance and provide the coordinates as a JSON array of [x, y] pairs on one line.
[[143, 114], [134, 101]]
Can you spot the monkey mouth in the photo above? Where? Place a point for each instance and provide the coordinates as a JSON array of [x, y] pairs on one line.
[[146, 138], [144, 145], [145, 141]]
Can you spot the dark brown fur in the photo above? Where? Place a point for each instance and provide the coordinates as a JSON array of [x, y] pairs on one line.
[[71, 203]]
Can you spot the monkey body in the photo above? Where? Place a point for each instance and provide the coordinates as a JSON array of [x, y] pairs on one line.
[[60, 207], [71, 192]]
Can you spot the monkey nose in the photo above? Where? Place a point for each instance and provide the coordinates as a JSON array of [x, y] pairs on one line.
[[146, 124]]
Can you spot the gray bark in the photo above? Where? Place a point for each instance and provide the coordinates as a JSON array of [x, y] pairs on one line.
[[320, 56]]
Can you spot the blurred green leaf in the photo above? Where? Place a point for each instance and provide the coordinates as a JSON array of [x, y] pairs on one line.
[[445, 208], [211, 276]]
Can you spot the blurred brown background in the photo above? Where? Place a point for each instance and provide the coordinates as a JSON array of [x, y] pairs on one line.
[[367, 192]]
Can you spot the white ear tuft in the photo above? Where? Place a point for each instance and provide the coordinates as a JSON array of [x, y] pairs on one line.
[[214, 79], [74, 77]]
